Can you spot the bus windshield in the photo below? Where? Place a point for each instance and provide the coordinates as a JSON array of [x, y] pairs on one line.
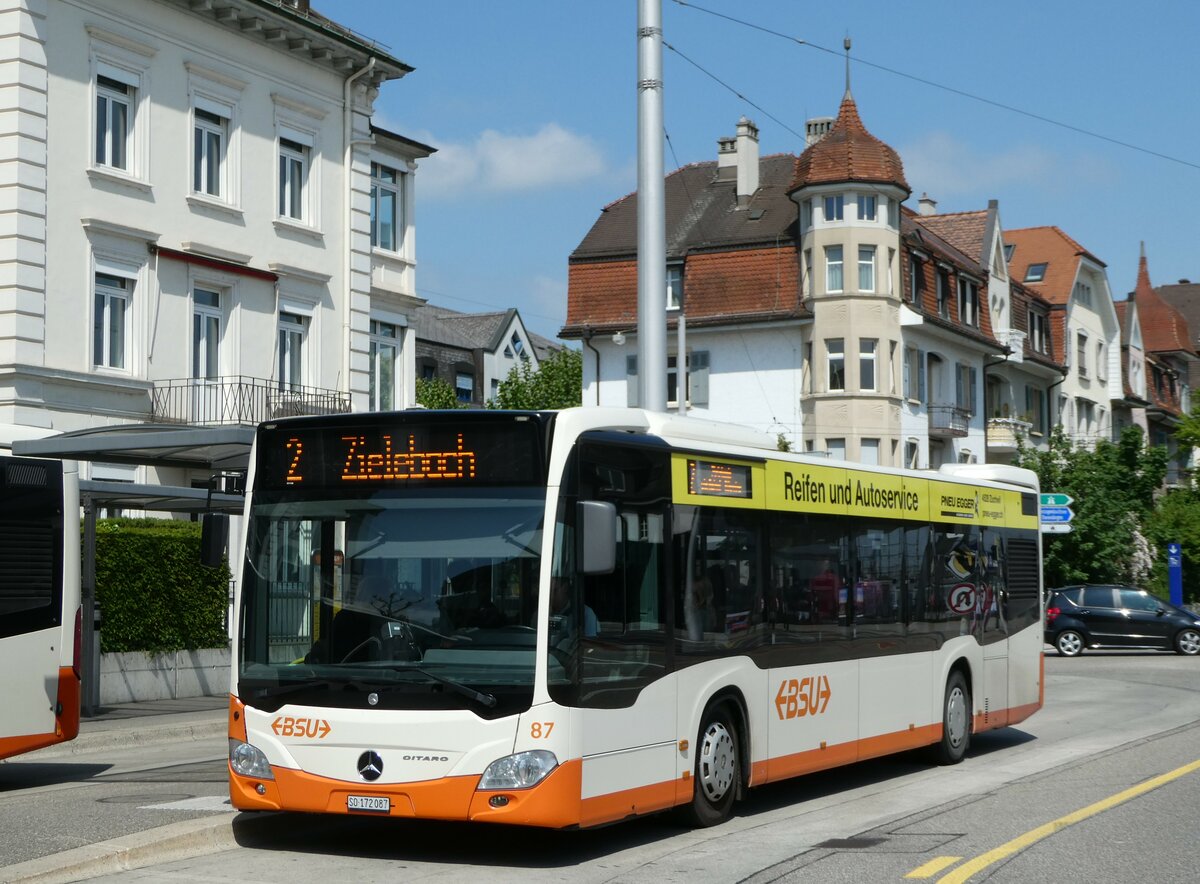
[[423, 598]]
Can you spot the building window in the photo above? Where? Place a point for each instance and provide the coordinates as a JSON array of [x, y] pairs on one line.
[[206, 333], [868, 452], [893, 210], [293, 330], [387, 207], [912, 453], [807, 285], [914, 374], [833, 268], [835, 349], [383, 354], [1085, 416], [968, 302], [964, 387], [1035, 272], [943, 293], [674, 286], [866, 268], [1039, 341], [110, 324], [211, 135], [805, 214], [464, 385], [866, 364], [518, 347], [836, 448], [696, 380], [1035, 409], [1083, 294], [293, 179], [1101, 362], [916, 279], [1081, 348], [115, 103], [866, 207], [834, 207]]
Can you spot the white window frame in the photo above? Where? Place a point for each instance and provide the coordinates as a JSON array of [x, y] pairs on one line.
[[866, 268], [833, 266], [204, 130], [1081, 352], [968, 301], [291, 347], [1101, 361], [868, 364], [1038, 340], [674, 286], [868, 207], [397, 187], [204, 313], [833, 207], [835, 354], [384, 335], [128, 64], [104, 299], [295, 163]]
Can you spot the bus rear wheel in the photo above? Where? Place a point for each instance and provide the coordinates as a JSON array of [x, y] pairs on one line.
[[956, 721], [718, 767]]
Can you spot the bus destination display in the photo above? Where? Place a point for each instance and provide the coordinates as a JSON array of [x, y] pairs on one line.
[[404, 454], [718, 479]]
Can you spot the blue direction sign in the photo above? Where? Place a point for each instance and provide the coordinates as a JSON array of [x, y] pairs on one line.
[[1054, 514], [1057, 500]]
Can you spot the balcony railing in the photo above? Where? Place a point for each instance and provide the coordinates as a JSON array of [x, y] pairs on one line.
[[1003, 433], [239, 400], [948, 421]]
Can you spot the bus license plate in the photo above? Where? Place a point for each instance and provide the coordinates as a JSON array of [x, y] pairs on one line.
[[372, 803]]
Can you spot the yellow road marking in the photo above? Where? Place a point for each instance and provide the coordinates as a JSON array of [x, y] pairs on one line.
[[932, 867], [966, 870]]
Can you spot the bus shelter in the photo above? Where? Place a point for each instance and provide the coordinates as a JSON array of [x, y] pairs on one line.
[[222, 452]]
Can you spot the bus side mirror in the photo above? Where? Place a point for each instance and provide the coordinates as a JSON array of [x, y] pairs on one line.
[[597, 532], [214, 535]]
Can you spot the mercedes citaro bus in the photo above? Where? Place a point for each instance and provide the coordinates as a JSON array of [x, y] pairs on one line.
[[569, 618]]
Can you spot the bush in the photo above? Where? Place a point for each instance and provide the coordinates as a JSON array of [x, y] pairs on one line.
[[153, 593]]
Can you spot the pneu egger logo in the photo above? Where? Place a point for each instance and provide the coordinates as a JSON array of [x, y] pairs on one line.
[[802, 696]]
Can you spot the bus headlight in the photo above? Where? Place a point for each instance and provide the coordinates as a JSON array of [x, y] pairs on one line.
[[518, 771], [249, 761]]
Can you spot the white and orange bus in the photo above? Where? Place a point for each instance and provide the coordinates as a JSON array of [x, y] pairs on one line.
[[40, 614], [570, 618]]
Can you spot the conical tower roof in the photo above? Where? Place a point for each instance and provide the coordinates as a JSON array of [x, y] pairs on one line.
[[849, 153]]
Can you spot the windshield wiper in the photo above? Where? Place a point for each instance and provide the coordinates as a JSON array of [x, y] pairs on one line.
[[325, 684], [487, 700]]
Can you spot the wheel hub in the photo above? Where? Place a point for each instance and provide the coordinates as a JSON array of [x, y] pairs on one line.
[[718, 758]]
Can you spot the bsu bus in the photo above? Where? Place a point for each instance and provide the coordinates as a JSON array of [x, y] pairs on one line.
[[569, 618], [40, 614]]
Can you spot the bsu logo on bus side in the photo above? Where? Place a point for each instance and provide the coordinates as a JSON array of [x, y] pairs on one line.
[[800, 697]]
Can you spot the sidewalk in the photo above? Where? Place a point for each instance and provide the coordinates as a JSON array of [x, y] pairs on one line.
[[142, 724], [146, 723]]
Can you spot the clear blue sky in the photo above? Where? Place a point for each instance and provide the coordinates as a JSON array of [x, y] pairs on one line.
[[533, 108]]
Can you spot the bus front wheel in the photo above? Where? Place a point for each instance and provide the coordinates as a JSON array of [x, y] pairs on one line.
[[956, 721], [718, 767]]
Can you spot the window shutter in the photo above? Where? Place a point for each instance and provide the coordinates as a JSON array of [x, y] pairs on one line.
[[971, 403], [698, 362], [907, 376], [631, 381], [959, 392], [921, 375]]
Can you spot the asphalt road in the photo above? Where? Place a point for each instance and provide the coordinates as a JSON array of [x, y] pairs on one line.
[[1111, 722]]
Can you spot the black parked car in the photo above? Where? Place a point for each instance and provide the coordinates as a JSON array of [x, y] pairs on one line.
[[1113, 616]]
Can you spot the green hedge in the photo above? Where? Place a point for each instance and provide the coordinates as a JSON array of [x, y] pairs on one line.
[[153, 593]]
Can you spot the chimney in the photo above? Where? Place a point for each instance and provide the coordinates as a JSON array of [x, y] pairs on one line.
[[747, 161], [816, 129], [927, 204], [726, 158]]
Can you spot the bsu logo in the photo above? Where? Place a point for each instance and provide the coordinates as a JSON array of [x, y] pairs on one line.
[[800, 697]]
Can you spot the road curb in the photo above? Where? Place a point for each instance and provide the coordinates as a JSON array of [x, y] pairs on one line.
[[207, 727], [165, 844]]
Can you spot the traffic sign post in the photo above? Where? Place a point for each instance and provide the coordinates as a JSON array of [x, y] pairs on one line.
[[1052, 499], [1175, 572], [1056, 527], [1055, 513]]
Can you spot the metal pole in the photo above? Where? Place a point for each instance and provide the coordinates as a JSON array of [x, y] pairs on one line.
[[681, 366], [651, 220]]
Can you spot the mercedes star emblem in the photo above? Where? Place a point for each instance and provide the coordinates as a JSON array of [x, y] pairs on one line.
[[370, 766]]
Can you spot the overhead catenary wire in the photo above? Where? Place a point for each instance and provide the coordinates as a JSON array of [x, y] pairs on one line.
[[914, 78]]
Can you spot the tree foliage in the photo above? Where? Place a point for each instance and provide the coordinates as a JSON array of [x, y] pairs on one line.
[[557, 383], [1176, 519], [1114, 487], [436, 393]]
